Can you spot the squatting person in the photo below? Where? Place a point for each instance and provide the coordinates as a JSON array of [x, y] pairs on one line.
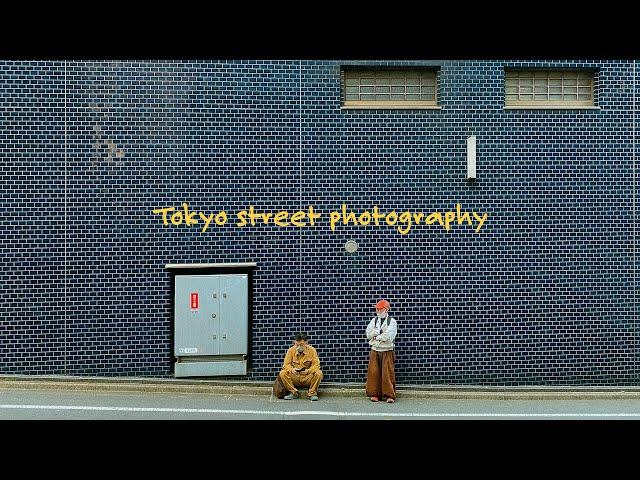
[[301, 369]]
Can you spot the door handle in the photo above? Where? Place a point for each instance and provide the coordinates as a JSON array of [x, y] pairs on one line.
[[224, 335], [213, 315], [215, 295], [215, 337], [224, 295]]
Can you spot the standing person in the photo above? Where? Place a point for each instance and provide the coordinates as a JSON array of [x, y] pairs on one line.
[[381, 377], [301, 369]]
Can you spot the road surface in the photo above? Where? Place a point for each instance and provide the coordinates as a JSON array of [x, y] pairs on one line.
[[30, 404]]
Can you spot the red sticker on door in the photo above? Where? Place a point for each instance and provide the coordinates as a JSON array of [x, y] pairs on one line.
[[194, 301]]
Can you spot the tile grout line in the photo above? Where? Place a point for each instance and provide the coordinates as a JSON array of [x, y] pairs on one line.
[[300, 198], [66, 158]]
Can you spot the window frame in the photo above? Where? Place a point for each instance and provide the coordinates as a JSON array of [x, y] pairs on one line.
[[388, 104], [552, 104]]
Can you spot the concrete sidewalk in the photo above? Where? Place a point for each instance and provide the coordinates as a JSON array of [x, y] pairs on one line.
[[226, 386]]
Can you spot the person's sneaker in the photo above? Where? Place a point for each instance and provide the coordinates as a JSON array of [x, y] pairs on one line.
[[313, 398], [374, 399], [390, 400], [291, 396]]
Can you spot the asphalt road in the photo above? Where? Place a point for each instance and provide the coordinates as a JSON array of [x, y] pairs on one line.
[[75, 405]]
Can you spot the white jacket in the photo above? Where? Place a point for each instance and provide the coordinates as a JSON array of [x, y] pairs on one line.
[[381, 340]]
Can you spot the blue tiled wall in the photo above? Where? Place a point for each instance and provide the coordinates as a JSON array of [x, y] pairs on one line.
[[544, 294]]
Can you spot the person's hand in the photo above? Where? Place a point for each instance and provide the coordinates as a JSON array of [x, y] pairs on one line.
[[378, 337], [376, 332]]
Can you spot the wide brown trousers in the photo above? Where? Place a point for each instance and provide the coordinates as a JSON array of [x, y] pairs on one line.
[[381, 377]]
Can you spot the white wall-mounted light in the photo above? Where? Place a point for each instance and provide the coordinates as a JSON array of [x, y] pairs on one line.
[[351, 246], [471, 158]]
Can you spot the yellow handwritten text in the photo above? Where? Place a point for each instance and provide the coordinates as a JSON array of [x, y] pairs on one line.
[[187, 217], [405, 220], [279, 219]]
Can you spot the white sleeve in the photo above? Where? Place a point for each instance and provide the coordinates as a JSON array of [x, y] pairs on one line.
[[370, 328], [390, 334]]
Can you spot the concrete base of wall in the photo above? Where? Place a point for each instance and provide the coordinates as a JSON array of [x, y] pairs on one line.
[[247, 387]]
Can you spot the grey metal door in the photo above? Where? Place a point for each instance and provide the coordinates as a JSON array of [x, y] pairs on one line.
[[197, 315], [234, 311]]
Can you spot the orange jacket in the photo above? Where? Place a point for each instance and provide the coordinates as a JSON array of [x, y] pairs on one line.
[[307, 360]]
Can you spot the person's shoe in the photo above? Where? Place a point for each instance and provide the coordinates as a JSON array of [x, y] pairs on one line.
[[390, 400], [291, 396], [374, 399], [313, 398]]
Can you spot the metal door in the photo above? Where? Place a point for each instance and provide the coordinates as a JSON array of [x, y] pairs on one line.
[[234, 311], [197, 315]]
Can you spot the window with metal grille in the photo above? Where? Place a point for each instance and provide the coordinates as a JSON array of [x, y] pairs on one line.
[[549, 88], [406, 88]]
